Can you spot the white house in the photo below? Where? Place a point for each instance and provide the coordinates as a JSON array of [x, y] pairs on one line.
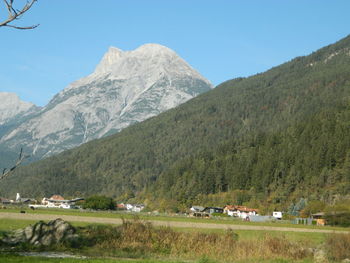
[[57, 201], [240, 211], [134, 208], [197, 208], [277, 215]]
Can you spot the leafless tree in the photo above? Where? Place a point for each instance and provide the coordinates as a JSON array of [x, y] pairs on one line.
[[15, 14], [6, 172]]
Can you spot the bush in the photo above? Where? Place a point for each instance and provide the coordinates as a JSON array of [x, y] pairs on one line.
[[99, 203], [338, 246], [338, 219], [142, 238]]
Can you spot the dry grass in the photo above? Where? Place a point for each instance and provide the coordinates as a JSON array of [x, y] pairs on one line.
[[142, 238], [338, 246]]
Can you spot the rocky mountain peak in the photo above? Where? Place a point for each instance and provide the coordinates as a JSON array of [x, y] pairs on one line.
[[113, 54], [152, 49], [126, 87], [11, 105]]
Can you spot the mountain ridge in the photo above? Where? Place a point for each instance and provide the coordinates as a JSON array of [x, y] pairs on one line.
[[125, 88]]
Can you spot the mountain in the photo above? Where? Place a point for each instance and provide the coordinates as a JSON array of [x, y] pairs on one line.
[[126, 88], [13, 112], [11, 107], [269, 139]]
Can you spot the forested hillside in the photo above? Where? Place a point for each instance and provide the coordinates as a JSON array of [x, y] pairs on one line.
[[273, 138]]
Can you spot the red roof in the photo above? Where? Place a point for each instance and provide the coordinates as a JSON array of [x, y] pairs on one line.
[[240, 208], [56, 197]]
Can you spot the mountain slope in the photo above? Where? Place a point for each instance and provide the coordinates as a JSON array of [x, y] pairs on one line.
[[126, 88], [279, 135], [11, 106], [13, 112]]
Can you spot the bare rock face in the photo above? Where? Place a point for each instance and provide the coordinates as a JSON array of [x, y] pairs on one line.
[[127, 87], [42, 234]]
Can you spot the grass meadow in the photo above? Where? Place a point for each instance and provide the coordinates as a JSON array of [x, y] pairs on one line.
[[142, 242], [162, 217], [139, 241]]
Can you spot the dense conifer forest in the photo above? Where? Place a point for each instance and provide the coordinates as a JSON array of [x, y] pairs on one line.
[[270, 139]]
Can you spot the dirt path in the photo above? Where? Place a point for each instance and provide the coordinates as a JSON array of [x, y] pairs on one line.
[[118, 221]]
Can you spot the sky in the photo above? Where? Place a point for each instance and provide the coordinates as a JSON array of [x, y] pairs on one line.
[[222, 39]]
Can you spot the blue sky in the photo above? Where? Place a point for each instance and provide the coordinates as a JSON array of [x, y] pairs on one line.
[[222, 39]]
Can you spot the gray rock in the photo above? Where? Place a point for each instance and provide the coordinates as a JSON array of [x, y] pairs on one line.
[[16, 237], [28, 231], [42, 234], [47, 240]]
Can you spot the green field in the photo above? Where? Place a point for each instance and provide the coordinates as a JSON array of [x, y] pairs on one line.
[[312, 238], [246, 238], [150, 217]]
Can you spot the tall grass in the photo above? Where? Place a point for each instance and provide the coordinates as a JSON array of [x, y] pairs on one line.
[[338, 246], [142, 238]]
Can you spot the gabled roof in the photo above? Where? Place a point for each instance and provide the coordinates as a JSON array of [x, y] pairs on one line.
[[197, 208], [56, 197], [64, 200], [241, 208]]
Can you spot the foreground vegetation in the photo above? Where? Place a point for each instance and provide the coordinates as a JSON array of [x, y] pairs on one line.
[[21, 259], [140, 240], [311, 238], [137, 239]]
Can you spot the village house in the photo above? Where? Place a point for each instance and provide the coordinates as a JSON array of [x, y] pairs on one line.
[[240, 211], [277, 214], [319, 217], [57, 201], [23, 200], [120, 206], [197, 208], [212, 210], [134, 208], [5, 201], [205, 212]]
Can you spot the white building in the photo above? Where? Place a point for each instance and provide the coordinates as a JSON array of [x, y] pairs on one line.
[[240, 211], [277, 215], [57, 201], [134, 208]]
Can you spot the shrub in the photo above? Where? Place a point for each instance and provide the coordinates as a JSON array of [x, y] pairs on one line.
[[99, 203], [338, 246], [142, 238], [338, 219]]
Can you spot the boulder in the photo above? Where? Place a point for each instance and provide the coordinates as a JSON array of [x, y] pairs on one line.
[[42, 234]]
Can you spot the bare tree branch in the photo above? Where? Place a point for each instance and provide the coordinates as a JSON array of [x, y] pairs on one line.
[[14, 14], [6, 172]]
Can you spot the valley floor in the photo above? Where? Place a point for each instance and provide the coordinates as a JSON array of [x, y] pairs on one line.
[[173, 224], [312, 238]]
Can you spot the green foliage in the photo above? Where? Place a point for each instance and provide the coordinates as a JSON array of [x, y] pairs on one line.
[[97, 202], [338, 219], [270, 139], [312, 208]]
